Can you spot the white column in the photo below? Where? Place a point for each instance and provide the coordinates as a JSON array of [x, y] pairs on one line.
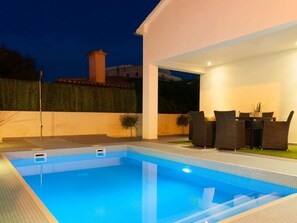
[[149, 192], [150, 102]]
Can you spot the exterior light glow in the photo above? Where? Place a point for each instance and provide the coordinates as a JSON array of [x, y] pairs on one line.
[[186, 170], [209, 63]]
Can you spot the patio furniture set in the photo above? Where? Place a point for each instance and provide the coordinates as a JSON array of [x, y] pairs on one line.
[[230, 132]]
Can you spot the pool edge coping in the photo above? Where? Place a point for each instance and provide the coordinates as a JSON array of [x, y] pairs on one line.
[[37, 202], [264, 207], [181, 158]]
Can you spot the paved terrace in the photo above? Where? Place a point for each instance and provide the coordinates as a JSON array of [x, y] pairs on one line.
[[18, 205]]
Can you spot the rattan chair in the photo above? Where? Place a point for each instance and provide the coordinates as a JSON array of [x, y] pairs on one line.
[[203, 131], [275, 134], [267, 114], [244, 114], [190, 128], [259, 123], [230, 134], [247, 125], [258, 127]]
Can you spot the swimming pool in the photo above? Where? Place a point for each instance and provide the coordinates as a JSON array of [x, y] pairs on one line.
[[128, 186]]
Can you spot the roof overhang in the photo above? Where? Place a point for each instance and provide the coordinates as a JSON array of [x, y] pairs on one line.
[[141, 30], [257, 44]]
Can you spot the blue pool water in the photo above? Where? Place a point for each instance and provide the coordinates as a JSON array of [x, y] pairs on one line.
[[131, 187]]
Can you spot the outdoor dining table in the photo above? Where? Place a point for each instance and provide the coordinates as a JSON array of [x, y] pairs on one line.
[[252, 121]]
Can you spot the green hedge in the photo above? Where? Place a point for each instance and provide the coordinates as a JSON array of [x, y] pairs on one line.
[[24, 96]]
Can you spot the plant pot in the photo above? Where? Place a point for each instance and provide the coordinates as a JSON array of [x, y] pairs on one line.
[[257, 114]]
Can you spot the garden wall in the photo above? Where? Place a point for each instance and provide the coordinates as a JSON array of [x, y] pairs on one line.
[[27, 124]]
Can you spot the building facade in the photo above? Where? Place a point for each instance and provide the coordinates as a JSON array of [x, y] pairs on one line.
[[245, 52]]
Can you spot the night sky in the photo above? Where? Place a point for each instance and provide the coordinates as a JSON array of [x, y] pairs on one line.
[[59, 33]]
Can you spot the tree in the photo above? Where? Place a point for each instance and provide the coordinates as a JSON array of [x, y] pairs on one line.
[[183, 121], [13, 65], [129, 121]]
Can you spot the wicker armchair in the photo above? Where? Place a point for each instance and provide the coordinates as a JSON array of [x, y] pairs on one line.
[[247, 125], [258, 128], [190, 128], [244, 114], [275, 134], [267, 114], [203, 131], [230, 134]]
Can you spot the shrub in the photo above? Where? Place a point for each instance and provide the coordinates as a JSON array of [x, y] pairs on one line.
[[183, 121], [129, 121]]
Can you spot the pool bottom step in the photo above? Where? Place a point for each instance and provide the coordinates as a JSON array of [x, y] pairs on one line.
[[228, 209]]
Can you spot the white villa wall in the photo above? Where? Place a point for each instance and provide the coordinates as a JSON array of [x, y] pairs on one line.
[[27, 124], [177, 27], [270, 79], [181, 26]]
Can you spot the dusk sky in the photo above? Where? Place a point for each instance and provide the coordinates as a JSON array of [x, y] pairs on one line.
[[58, 34]]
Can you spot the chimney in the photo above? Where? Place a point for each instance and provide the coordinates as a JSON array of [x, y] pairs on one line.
[[97, 66]]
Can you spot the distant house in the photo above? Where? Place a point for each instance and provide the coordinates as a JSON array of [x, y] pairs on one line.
[[97, 73], [131, 71], [117, 76]]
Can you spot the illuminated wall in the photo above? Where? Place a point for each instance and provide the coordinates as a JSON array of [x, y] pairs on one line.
[[269, 79], [177, 27], [27, 124]]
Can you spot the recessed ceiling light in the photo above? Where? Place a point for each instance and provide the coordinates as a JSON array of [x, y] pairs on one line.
[[209, 63], [296, 43]]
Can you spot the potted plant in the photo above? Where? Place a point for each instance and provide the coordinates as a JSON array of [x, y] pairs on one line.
[[183, 121], [257, 110], [129, 121]]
